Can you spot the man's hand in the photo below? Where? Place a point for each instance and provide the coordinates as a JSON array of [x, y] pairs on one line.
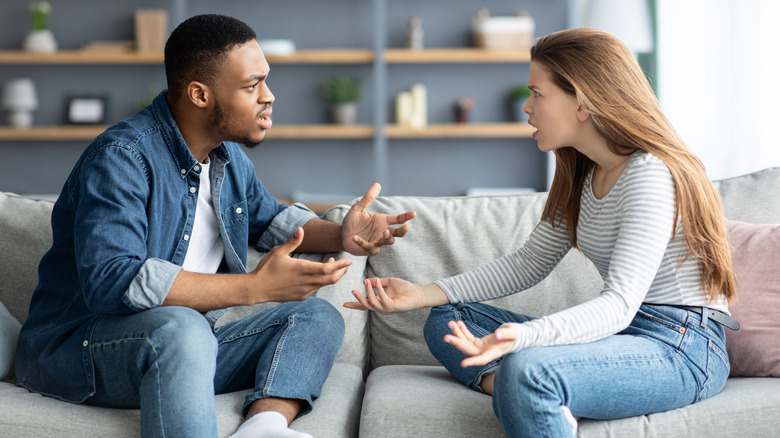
[[283, 278], [364, 233]]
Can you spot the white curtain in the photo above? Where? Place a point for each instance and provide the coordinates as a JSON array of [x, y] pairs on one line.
[[718, 80]]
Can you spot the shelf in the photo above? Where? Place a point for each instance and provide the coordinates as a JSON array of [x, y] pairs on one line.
[[346, 56], [299, 132], [103, 57], [79, 57], [88, 132], [465, 130], [52, 133], [317, 132], [456, 55]]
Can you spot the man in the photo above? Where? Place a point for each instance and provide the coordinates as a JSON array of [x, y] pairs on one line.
[[150, 246]]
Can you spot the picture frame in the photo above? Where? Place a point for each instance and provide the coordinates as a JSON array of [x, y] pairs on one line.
[[86, 110]]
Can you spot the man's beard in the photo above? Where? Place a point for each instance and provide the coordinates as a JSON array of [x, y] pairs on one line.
[[220, 122]]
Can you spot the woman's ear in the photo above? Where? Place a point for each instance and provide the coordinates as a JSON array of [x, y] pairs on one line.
[[199, 94], [582, 114]]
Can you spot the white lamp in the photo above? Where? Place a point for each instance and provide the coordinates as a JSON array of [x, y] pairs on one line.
[[20, 100], [629, 20]]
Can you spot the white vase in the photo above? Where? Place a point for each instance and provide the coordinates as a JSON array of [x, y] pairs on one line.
[[345, 113], [40, 41]]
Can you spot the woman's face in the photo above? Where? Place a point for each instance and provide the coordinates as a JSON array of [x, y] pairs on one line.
[[554, 113]]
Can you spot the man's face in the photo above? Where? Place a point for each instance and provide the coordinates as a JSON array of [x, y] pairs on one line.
[[242, 100]]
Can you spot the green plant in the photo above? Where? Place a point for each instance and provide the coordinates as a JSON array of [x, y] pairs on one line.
[[519, 92], [39, 13], [342, 89]]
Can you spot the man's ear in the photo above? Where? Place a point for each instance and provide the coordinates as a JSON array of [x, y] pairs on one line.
[[199, 94]]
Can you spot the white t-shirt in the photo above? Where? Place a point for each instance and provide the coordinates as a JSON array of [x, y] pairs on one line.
[[206, 249]]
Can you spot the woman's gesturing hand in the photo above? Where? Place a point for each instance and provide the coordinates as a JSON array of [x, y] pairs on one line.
[[391, 295], [481, 350]]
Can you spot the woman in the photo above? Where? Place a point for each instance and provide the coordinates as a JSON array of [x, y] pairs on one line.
[[636, 202]]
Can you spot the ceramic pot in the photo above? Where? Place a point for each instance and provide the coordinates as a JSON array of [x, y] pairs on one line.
[[40, 41], [345, 113]]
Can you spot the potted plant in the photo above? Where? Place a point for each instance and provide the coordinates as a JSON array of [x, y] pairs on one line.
[[518, 96], [344, 93], [40, 39]]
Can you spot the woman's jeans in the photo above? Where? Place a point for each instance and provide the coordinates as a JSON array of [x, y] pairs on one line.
[[170, 362], [664, 360]]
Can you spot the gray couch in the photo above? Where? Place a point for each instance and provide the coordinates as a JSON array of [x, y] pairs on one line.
[[385, 382]]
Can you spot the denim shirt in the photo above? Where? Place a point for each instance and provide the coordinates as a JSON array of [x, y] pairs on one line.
[[121, 227]]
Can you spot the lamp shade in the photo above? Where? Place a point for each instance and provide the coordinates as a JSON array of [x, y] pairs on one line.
[[628, 20], [19, 95]]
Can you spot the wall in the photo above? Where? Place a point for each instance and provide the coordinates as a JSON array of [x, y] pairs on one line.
[[430, 167]]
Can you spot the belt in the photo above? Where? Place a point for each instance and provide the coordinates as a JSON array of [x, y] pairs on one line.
[[715, 315]]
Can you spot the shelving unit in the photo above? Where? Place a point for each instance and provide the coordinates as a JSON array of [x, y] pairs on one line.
[[379, 132], [335, 56]]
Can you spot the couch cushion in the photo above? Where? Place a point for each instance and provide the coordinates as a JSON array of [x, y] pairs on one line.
[[753, 197], [754, 349], [432, 403], [450, 236], [25, 237], [25, 414], [9, 335]]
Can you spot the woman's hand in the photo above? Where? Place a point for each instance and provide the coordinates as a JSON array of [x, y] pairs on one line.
[[395, 295], [481, 350]]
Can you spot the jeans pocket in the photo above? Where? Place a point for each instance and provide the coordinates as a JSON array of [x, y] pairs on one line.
[[717, 370]]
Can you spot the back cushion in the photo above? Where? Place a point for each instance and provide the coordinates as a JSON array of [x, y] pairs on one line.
[[450, 236], [25, 235], [753, 198]]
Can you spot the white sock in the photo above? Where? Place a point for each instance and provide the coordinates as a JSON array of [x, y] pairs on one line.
[[269, 424], [571, 419]]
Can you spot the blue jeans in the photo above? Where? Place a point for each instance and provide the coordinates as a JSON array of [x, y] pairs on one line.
[[664, 360], [169, 362]]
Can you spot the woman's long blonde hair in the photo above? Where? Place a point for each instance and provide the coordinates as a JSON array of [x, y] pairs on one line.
[[603, 75]]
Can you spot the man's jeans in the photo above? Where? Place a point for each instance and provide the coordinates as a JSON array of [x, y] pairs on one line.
[[168, 361], [664, 360]]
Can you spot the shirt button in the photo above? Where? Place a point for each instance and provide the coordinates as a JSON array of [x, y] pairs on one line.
[[183, 171], [239, 210], [196, 168], [186, 237], [193, 190], [85, 343]]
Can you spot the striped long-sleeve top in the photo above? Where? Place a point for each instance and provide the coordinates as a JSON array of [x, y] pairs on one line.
[[626, 234]]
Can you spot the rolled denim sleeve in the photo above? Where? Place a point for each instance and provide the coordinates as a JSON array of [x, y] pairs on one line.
[[283, 225], [150, 286]]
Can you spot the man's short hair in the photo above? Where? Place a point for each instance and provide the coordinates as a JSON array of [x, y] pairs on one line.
[[197, 48]]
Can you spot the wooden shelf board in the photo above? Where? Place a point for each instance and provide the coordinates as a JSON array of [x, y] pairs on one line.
[[335, 56], [52, 133], [466, 130], [80, 57], [346, 56], [455, 55], [299, 132], [317, 207], [315, 132]]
